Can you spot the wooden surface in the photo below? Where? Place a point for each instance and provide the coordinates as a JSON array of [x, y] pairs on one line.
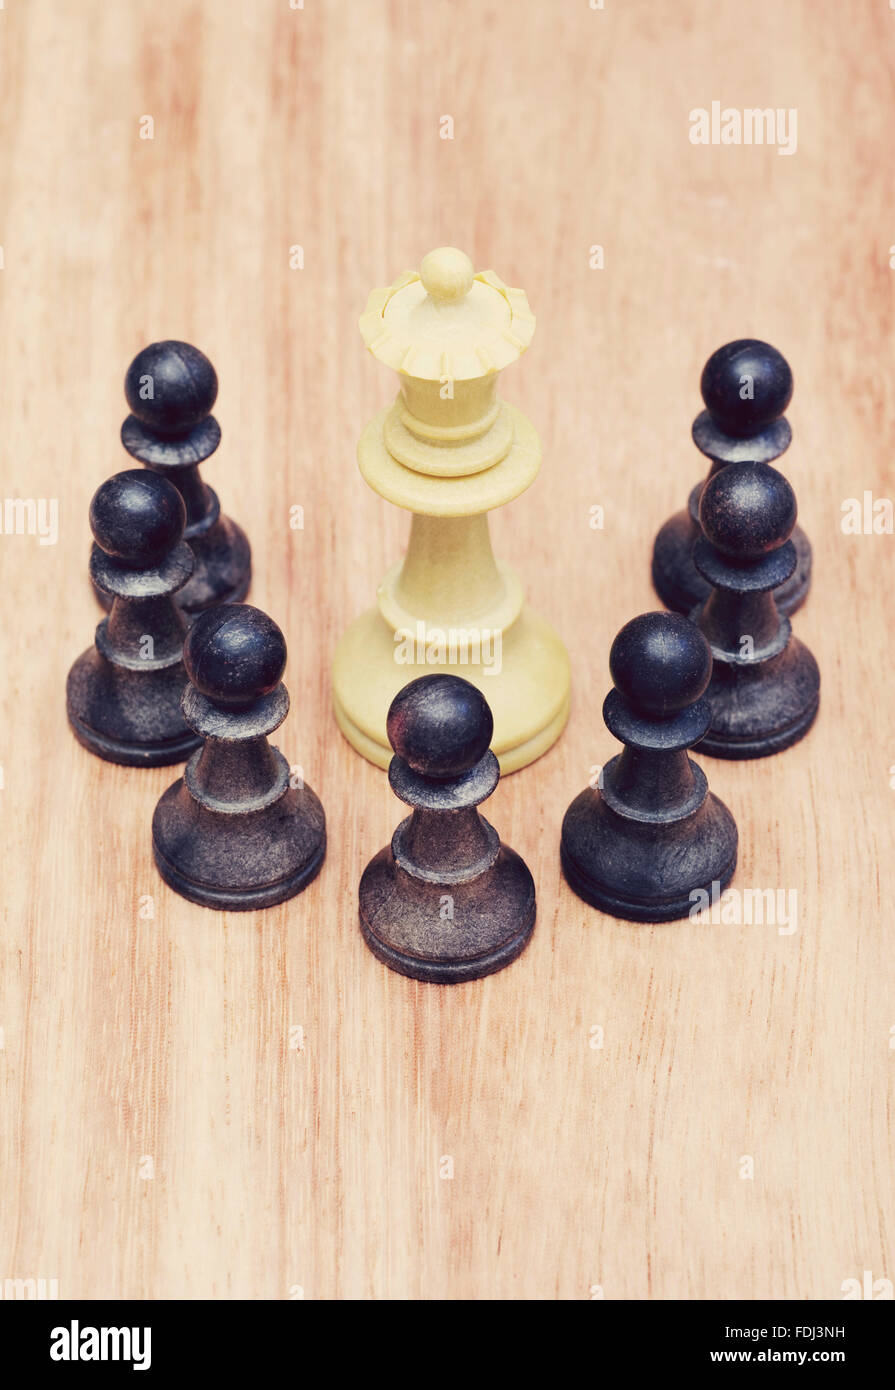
[[130, 1038]]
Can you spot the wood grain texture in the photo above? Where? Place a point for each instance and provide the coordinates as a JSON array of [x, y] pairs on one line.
[[126, 1037]]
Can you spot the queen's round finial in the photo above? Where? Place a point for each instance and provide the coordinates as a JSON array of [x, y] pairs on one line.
[[447, 274], [446, 319]]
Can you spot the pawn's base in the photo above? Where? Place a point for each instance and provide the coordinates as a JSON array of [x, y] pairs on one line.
[[776, 742], [223, 569], [237, 862], [642, 871], [526, 683], [239, 899], [159, 754], [127, 716], [763, 707], [447, 934], [681, 587]]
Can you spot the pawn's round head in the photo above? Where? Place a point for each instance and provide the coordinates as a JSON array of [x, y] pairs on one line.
[[660, 663], [440, 726], [747, 510], [234, 654], [746, 385], [170, 387], [137, 517]]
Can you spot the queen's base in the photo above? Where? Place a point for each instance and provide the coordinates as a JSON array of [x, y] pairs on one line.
[[525, 679]]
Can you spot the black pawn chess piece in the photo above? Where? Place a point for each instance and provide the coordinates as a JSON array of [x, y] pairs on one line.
[[447, 901], [234, 832], [123, 694], [652, 839], [765, 685], [746, 386], [171, 388]]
